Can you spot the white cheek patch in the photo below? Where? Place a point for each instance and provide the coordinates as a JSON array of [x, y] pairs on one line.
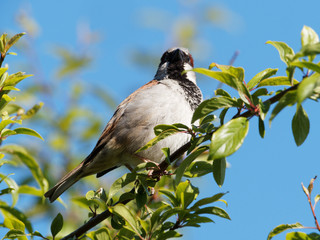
[[190, 74]]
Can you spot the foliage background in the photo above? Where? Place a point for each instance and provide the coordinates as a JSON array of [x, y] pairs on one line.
[[125, 40]]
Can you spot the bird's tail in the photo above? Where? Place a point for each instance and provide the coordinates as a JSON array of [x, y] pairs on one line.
[[66, 182]]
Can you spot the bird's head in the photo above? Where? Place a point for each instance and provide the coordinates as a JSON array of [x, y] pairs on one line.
[[173, 62]]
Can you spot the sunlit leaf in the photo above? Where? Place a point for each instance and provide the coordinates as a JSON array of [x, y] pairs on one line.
[[120, 183], [26, 189], [31, 112], [15, 78], [308, 65], [277, 81], [261, 76], [14, 223], [122, 211], [13, 185], [286, 53], [28, 131], [208, 200], [214, 211], [307, 86], [13, 40], [283, 227], [8, 211], [158, 138], [5, 99], [308, 35], [308, 50], [211, 105], [29, 161], [228, 138]]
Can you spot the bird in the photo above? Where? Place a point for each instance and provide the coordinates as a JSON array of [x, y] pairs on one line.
[[171, 97]]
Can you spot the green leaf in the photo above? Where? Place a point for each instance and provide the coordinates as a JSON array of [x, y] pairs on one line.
[[5, 99], [221, 92], [307, 86], [122, 211], [13, 223], [308, 36], [37, 234], [15, 78], [141, 197], [214, 211], [283, 227], [174, 201], [309, 50], [211, 105], [28, 131], [260, 77], [56, 225], [308, 65], [198, 168], [286, 53], [7, 122], [263, 108], [9, 88], [158, 138], [302, 236], [277, 81], [194, 221], [29, 161], [8, 211], [101, 234], [208, 200], [3, 79], [31, 112], [186, 162], [164, 127], [120, 183], [223, 77], [169, 234], [13, 185], [300, 125], [228, 138], [316, 199], [219, 170], [13, 40], [26, 189], [15, 234], [186, 193], [261, 128], [3, 70], [6, 191], [230, 76], [286, 100], [155, 217], [173, 211]]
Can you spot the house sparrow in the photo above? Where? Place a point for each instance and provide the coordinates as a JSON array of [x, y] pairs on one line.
[[170, 98]]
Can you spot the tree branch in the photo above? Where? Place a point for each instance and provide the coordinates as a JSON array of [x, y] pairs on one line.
[[163, 166]]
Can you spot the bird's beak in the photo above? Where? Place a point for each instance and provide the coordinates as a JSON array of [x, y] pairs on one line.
[[177, 55]]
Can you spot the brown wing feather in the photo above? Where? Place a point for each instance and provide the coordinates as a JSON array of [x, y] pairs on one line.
[[109, 129]]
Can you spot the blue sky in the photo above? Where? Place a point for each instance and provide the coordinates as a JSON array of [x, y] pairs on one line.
[[265, 174]]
